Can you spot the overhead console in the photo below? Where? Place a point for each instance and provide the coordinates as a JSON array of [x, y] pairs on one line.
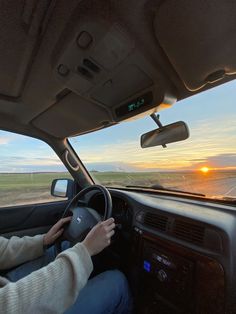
[[93, 63], [101, 69]]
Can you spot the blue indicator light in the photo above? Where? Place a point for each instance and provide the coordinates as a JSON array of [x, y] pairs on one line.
[[147, 266]]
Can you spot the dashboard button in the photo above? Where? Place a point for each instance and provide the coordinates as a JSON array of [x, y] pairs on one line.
[[84, 40], [162, 275]]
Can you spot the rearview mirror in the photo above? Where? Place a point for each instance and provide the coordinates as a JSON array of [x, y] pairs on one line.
[[170, 133]]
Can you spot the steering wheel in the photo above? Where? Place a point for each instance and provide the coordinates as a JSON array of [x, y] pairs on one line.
[[85, 218]]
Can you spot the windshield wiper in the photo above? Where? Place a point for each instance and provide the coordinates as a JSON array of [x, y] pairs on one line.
[[230, 199], [161, 188]]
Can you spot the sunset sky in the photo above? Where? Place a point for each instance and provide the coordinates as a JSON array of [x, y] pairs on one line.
[[211, 117]]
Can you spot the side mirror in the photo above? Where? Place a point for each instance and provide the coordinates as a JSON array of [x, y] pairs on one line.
[[62, 188], [170, 133]]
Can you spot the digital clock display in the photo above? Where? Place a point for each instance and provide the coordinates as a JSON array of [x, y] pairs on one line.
[[135, 105]]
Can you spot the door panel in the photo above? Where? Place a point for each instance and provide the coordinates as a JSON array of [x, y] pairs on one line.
[[30, 219], [27, 169]]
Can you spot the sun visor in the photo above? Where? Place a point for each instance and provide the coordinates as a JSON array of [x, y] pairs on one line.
[[198, 37], [70, 116]]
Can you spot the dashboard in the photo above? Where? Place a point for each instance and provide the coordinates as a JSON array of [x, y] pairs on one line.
[[182, 252], [121, 210]]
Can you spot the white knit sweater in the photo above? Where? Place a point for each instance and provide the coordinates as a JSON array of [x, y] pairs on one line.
[[53, 288]]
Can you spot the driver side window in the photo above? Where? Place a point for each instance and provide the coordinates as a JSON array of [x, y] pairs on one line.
[[27, 168]]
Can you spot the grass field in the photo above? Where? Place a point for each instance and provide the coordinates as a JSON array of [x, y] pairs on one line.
[[17, 188], [214, 183], [24, 188]]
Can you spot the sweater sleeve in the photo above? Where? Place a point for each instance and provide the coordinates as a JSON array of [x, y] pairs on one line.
[[15, 251], [53, 288]]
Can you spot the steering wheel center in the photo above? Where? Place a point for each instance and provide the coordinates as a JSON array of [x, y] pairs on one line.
[[85, 218]]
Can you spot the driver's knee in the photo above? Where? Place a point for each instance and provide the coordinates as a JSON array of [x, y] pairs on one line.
[[107, 292], [119, 291], [117, 281]]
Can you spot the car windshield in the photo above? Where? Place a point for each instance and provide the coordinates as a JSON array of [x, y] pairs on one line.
[[205, 163]]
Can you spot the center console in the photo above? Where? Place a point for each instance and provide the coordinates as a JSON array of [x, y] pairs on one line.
[[170, 276], [173, 279]]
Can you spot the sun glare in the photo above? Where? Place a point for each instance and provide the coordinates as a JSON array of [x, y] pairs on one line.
[[204, 169]]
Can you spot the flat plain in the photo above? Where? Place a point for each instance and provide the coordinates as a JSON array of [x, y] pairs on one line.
[[28, 188]]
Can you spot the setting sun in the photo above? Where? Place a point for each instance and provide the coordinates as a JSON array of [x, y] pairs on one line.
[[204, 169]]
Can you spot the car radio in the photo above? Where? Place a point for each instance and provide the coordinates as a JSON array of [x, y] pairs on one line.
[[169, 276]]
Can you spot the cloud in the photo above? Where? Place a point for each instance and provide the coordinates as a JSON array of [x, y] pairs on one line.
[[4, 140], [111, 166], [219, 161], [25, 164]]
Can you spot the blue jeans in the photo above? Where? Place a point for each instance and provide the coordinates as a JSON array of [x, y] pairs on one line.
[[106, 293]]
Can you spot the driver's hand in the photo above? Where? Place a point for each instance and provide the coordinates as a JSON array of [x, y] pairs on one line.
[[55, 232], [100, 236]]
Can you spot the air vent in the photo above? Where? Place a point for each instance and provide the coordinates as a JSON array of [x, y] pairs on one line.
[[188, 232], [156, 221]]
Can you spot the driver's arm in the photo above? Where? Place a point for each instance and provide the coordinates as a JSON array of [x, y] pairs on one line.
[[15, 251], [54, 288]]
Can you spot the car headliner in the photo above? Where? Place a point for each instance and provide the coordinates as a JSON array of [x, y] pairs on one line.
[[173, 48]]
